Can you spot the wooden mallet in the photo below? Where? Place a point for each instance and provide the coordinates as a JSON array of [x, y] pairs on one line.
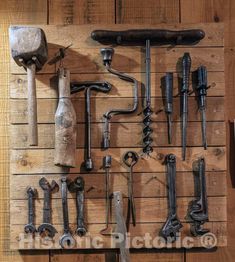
[[29, 49]]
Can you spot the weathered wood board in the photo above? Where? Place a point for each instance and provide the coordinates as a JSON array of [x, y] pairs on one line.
[[28, 165]]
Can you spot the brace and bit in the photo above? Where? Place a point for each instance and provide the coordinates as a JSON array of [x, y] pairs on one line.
[[172, 225], [104, 87], [186, 66], [77, 186], [46, 228], [198, 208], [30, 227], [107, 54], [66, 240], [130, 159], [201, 91], [107, 161]]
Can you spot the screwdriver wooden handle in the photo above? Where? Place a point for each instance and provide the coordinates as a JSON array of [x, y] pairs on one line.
[[65, 124], [156, 36]]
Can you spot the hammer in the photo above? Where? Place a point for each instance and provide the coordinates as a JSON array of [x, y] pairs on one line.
[[29, 49]]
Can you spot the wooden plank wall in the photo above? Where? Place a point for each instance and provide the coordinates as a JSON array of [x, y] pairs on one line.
[[111, 11]]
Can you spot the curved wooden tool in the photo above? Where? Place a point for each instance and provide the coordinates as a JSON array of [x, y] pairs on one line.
[[29, 49]]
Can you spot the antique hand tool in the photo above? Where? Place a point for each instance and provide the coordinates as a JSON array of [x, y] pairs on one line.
[[46, 228], [29, 49], [198, 209], [201, 90], [65, 123], [186, 65], [121, 231], [148, 37], [168, 103], [66, 240], [77, 186], [172, 225], [30, 227], [107, 160], [107, 54], [130, 159], [104, 87]]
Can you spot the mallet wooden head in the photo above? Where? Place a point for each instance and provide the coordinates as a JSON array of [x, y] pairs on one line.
[[29, 49]]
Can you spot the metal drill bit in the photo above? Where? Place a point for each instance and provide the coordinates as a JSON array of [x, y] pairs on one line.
[[201, 93], [186, 64]]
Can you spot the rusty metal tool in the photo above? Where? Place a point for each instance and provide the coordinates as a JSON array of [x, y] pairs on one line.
[[107, 161], [121, 231], [198, 208], [30, 227], [184, 90], [172, 225], [107, 55], [104, 87], [46, 228], [130, 159], [29, 49], [201, 92], [147, 37], [66, 240], [65, 123], [77, 186]]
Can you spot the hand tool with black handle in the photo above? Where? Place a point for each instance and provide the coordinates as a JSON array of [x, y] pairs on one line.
[[104, 87], [148, 37], [65, 123], [30, 227], [184, 90], [29, 49], [201, 93], [172, 225], [77, 186], [107, 55]]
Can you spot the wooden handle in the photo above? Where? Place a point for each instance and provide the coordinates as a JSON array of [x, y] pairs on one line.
[[65, 124], [32, 106]]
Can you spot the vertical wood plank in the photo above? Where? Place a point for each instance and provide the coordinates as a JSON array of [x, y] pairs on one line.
[[81, 11], [13, 12], [147, 12]]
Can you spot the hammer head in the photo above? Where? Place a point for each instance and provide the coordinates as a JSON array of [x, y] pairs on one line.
[[28, 45]]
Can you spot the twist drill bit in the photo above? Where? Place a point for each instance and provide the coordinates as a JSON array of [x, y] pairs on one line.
[[169, 103], [186, 65], [147, 130], [201, 90]]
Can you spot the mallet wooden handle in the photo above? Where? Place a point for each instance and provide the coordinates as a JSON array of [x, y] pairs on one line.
[[32, 106]]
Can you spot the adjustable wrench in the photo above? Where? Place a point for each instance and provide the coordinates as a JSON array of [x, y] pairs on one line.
[[172, 225], [67, 240], [77, 186], [46, 228], [198, 209], [130, 159], [30, 227]]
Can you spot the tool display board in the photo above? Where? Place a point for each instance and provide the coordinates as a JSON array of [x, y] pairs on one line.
[[29, 164]]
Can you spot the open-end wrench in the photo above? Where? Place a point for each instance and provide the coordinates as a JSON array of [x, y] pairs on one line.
[[107, 160], [198, 209], [46, 228], [77, 186], [130, 159], [172, 225], [66, 240], [30, 227]]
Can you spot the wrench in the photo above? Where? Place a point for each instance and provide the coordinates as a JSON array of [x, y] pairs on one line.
[[198, 209], [77, 186], [172, 225], [66, 240], [107, 160], [30, 227], [130, 159], [46, 228]]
